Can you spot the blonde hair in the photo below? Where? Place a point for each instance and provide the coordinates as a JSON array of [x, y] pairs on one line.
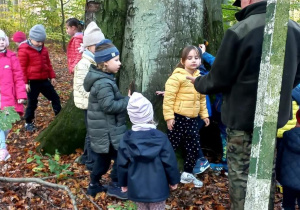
[[102, 66]]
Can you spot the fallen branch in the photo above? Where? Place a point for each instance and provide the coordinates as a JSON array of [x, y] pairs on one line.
[[98, 207], [40, 181]]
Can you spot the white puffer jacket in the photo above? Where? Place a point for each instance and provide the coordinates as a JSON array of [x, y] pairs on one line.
[[81, 97]]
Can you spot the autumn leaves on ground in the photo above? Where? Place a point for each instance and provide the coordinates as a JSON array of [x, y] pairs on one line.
[[213, 195]]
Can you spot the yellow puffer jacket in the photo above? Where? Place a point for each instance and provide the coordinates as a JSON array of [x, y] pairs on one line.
[[290, 124], [182, 98]]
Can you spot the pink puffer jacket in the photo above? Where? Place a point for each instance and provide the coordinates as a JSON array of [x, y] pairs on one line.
[[12, 86]]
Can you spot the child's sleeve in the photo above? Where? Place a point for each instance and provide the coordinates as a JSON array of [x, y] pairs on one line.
[[18, 79], [78, 55], [122, 164], [51, 73], [203, 109], [106, 99], [24, 61], [80, 72], [171, 89], [208, 58], [169, 161]]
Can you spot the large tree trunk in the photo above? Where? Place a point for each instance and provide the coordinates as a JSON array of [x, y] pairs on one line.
[[151, 35], [155, 33]]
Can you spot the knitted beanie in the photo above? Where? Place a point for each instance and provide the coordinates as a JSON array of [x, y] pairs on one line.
[[92, 35], [139, 109], [105, 50], [19, 37], [3, 35], [38, 33]]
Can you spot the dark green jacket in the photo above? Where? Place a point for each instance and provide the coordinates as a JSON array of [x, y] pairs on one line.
[[106, 110], [235, 70]]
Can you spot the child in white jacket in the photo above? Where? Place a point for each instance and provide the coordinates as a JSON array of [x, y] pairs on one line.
[[92, 36]]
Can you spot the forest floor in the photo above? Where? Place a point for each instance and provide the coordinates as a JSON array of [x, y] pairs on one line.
[[29, 195]]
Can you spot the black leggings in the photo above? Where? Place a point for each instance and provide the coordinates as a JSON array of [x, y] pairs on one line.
[[186, 133]]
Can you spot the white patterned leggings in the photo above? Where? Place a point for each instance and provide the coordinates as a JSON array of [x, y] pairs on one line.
[[151, 206]]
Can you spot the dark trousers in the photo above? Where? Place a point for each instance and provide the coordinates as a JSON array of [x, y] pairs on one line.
[[185, 133], [289, 198], [102, 163], [47, 89]]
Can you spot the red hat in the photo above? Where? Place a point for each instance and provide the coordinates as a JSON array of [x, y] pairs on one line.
[[19, 36], [298, 116]]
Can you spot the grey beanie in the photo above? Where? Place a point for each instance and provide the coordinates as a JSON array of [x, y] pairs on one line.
[[38, 33], [92, 35]]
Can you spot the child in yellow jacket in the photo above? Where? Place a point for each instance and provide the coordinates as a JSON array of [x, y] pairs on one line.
[[181, 107]]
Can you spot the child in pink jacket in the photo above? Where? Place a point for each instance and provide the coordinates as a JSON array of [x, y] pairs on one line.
[[73, 29], [12, 87]]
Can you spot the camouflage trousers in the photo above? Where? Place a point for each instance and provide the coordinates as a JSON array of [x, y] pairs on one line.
[[238, 160]]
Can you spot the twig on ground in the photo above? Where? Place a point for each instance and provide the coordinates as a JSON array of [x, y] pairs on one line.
[[98, 207], [40, 181]]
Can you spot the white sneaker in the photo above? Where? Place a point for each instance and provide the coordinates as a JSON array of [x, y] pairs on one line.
[[190, 178], [4, 155]]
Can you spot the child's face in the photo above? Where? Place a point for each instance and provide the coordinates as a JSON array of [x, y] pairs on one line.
[[36, 44], [2, 43], [113, 65], [71, 30], [192, 61]]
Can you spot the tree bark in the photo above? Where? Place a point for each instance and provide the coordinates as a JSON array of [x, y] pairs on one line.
[[66, 133], [267, 105]]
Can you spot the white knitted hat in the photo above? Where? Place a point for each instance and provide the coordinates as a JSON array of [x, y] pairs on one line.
[[3, 35], [92, 35], [139, 109]]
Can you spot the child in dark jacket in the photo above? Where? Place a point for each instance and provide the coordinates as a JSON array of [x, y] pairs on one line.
[[147, 164], [106, 116], [288, 161], [37, 69]]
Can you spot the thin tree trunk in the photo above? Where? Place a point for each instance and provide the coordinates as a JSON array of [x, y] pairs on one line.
[[265, 124], [62, 26]]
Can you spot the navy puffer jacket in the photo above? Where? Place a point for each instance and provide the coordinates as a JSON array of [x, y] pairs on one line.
[[289, 159]]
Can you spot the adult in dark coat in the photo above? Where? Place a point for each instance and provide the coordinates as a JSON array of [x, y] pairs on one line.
[[235, 74]]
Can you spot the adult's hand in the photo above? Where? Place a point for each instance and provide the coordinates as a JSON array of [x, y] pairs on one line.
[[191, 78]]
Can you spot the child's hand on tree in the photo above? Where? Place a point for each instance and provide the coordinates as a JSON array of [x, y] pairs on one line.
[[173, 187], [124, 189], [170, 124], [160, 93]]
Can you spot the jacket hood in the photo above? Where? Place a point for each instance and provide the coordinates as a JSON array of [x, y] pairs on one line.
[[93, 75], [184, 72], [144, 145], [252, 9], [293, 142]]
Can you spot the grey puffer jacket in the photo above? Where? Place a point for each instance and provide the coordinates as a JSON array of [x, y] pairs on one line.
[[106, 110]]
